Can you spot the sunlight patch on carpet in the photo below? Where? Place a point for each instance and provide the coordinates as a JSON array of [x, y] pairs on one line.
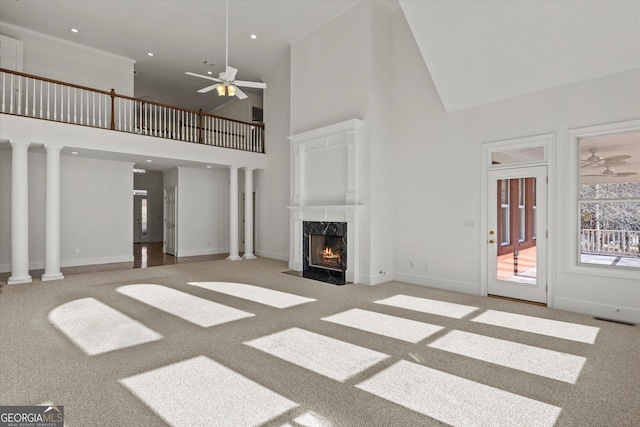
[[383, 324], [537, 325], [323, 355], [539, 361], [202, 392], [188, 307], [455, 400], [257, 294], [97, 328], [424, 305]]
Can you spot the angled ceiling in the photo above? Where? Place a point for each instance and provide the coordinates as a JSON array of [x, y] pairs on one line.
[[476, 51], [483, 51]]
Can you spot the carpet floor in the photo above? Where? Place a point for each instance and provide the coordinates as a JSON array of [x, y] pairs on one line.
[[223, 343]]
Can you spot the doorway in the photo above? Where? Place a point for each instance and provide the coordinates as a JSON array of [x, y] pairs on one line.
[[517, 233]]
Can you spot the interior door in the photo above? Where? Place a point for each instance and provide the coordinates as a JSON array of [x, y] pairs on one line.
[[140, 219], [517, 240], [170, 215]]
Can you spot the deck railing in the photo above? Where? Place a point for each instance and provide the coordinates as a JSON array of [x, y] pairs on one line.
[[611, 242], [37, 97]]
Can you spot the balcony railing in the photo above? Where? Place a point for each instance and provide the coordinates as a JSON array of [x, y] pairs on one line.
[[32, 96], [611, 242]]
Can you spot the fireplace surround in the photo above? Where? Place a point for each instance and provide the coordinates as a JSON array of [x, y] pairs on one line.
[[324, 248]]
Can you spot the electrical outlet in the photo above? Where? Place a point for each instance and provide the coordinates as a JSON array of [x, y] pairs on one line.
[[426, 266], [77, 250], [411, 264]]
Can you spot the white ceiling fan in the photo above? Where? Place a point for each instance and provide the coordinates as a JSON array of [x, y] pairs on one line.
[[609, 172], [226, 81], [595, 160]]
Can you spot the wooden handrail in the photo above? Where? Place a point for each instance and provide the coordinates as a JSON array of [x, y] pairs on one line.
[[120, 115]]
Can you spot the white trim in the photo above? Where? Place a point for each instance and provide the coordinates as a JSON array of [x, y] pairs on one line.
[[207, 251], [572, 232], [548, 142], [605, 311], [92, 261], [447, 285]]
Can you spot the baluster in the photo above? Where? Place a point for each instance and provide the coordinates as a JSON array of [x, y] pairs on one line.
[[4, 78], [26, 97], [20, 95]]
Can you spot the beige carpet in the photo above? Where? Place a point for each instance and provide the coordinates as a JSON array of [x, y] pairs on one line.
[[213, 353]]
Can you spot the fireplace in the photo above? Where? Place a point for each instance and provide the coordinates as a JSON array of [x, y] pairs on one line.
[[325, 251]]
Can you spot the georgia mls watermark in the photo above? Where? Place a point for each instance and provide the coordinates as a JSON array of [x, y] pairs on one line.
[[31, 416]]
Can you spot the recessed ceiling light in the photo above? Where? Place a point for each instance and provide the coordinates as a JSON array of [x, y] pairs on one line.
[[73, 30], [74, 152], [149, 161], [208, 166], [209, 72], [253, 36], [150, 53]]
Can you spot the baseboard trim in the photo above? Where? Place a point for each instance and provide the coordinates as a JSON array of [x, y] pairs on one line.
[[447, 285], [376, 279], [200, 252], [606, 311], [273, 255], [92, 261]]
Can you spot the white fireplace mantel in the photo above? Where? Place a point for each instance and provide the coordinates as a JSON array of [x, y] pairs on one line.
[[326, 186]]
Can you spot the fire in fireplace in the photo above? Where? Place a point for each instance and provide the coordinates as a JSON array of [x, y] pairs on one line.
[[325, 251]]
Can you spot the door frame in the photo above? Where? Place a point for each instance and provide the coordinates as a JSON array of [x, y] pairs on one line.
[[547, 142]]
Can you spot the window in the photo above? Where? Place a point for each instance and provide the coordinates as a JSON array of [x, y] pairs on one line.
[[609, 200], [504, 207]]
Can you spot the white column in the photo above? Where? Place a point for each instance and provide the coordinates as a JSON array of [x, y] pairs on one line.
[[248, 214], [52, 212], [19, 213], [233, 214]]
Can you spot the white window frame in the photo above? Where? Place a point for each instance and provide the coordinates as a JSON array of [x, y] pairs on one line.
[[573, 199]]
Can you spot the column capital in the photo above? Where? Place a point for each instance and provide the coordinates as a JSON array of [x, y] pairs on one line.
[[17, 144], [53, 148]]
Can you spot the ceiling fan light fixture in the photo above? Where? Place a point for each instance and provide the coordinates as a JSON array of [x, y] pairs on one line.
[[221, 90], [231, 90]]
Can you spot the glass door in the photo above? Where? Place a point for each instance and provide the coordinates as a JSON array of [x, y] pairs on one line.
[[518, 233]]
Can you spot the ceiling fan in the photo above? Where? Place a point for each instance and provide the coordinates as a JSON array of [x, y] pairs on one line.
[[595, 160], [611, 173], [226, 81]]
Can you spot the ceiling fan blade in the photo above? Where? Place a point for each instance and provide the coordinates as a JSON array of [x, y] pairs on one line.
[[208, 88], [257, 85], [614, 158], [203, 77], [240, 94], [230, 73], [591, 175], [626, 173]]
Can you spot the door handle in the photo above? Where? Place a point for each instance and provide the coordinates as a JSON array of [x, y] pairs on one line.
[[492, 241]]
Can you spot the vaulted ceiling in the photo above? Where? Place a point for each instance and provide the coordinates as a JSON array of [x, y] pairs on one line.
[[476, 51]]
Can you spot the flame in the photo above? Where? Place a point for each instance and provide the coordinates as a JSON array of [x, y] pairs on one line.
[[327, 254]]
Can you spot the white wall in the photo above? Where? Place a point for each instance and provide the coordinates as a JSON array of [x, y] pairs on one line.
[[203, 211], [272, 183], [96, 211], [339, 72], [437, 177], [239, 109], [61, 60]]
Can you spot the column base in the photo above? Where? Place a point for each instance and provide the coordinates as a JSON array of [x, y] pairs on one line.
[[249, 256], [234, 258], [16, 280], [46, 277]]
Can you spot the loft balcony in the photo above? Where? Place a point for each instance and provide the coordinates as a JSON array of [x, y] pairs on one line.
[[36, 97]]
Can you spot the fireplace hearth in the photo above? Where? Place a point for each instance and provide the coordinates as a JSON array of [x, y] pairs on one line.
[[325, 251]]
